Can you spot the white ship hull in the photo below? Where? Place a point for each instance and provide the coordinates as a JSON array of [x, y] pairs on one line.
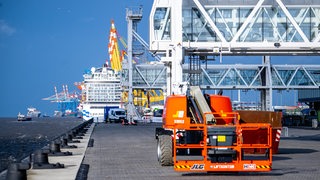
[[101, 88], [95, 111]]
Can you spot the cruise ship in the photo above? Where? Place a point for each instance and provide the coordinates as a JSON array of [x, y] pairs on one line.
[[101, 88]]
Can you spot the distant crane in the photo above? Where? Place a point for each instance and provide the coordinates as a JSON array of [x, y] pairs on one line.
[[67, 102]]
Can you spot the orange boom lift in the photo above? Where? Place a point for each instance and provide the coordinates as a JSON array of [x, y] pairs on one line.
[[202, 133]]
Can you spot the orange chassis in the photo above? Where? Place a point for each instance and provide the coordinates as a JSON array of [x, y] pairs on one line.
[[220, 151]]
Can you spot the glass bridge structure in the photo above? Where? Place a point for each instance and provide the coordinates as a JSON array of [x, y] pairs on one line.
[[185, 35], [243, 76], [237, 27]]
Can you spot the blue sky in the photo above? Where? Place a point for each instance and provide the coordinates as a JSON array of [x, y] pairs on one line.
[[47, 43]]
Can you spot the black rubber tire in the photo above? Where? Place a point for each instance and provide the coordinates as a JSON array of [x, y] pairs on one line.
[[164, 150]]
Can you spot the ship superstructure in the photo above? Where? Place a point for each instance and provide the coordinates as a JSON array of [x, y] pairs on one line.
[[33, 112], [101, 88]]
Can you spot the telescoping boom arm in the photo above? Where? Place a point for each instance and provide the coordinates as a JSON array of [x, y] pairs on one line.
[[202, 104]]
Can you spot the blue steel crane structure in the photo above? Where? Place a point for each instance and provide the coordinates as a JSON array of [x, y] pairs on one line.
[[67, 102]]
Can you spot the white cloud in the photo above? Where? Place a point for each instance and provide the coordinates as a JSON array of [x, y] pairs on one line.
[[6, 29]]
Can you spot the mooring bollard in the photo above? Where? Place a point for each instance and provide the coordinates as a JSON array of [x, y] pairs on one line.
[[56, 151], [70, 138], [64, 143], [39, 160], [75, 134], [17, 171], [55, 146]]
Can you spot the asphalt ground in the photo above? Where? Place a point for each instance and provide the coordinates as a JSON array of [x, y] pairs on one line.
[[129, 152]]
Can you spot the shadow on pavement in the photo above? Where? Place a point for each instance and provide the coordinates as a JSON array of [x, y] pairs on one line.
[[296, 151]]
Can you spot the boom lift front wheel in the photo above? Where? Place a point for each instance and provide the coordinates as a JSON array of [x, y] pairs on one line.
[[164, 150]]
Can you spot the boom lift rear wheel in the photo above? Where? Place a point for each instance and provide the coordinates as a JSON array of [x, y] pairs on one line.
[[164, 150]]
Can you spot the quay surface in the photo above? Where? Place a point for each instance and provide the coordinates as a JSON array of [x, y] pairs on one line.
[[129, 152], [71, 163]]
